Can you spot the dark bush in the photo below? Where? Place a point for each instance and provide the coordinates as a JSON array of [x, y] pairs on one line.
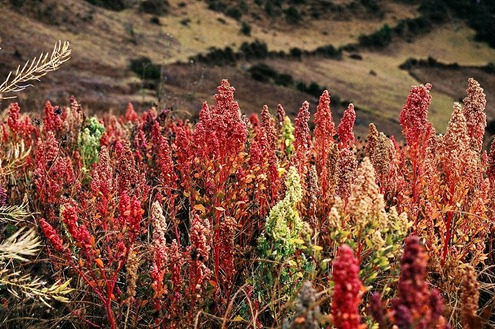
[[378, 39], [145, 68], [265, 73], [116, 5], [372, 6], [155, 20], [279, 54], [489, 68], [226, 56], [295, 53], [315, 12], [222, 57], [155, 7], [429, 62], [313, 89], [284, 79], [243, 6], [352, 47], [217, 6], [185, 21], [485, 28], [301, 86], [271, 10], [262, 72], [329, 51], [254, 50], [408, 64], [434, 10], [356, 56], [292, 15], [478, 14], [17, 3], [234, 12], [246, 29], [413, 26]]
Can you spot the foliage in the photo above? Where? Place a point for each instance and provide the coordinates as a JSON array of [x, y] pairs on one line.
[[379, 39], [246, 28], [478, 15], [145, 68], [159, 222], [416, 305], [35, 69], [292, 15], [281, 246], [89, 141], [155, 7], [21, 243], [117, 5]]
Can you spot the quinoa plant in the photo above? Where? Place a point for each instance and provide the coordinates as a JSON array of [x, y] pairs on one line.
[[151, 221]]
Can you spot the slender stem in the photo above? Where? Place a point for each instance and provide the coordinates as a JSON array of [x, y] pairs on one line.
[[415, 194], [448, 234], [111, 318], [360, 246], [76, 314], [217, 248]]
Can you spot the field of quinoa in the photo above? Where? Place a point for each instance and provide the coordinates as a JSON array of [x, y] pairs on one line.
[[149, 220]]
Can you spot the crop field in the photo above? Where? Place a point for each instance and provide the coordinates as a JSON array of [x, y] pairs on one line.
[[250, 164], [152, 221]]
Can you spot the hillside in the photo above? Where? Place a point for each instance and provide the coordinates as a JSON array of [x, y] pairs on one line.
[[105, 41]]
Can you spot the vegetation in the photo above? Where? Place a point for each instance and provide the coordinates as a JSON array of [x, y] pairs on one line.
[[109, 4], [236, 11], [21, 242], [227, 56], [380, 38], [478, 14], [145, 68], [259, 50], [265, 73], [432, 62], [292, 15], [34, 69], [246, 29], [147, 220], [155, 7]]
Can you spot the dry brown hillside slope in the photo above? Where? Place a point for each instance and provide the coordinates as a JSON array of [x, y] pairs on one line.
[[105, 41]]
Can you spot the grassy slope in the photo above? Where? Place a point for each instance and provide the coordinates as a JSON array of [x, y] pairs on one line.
[[99, 77]]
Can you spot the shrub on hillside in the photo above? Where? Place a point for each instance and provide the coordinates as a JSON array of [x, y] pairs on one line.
[[296, 53], [154, 7], [246, 29], [234, 12], [378, 39], [262, 72], [265, 73], [292, 15], [329, 51], [116, 5], [145, 68]]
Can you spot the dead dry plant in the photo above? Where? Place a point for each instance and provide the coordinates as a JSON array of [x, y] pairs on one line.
[[35, 69]]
